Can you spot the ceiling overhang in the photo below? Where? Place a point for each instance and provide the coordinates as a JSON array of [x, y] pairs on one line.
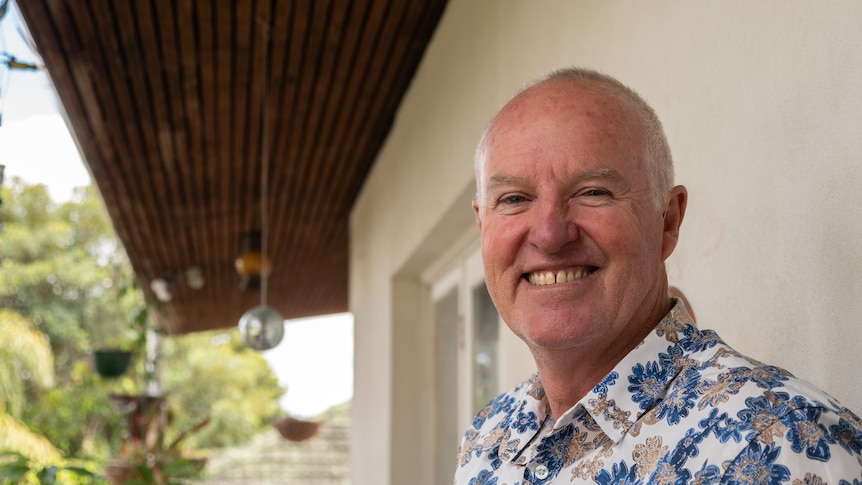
[[167, 102]]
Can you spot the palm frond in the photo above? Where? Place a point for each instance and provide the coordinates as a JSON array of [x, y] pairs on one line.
[[24, 351], [16, 436]]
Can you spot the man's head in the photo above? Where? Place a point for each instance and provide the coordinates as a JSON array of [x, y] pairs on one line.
[[657, 154], [577, 212]]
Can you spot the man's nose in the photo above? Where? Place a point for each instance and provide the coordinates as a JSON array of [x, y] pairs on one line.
[[554, 226]]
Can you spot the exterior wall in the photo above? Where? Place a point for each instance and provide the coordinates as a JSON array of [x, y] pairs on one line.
[[762, 102]]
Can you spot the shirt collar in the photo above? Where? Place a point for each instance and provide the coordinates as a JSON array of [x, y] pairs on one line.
[[612, 402], [532, 407]]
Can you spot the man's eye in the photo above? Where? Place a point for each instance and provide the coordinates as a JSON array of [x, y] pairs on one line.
[[596, 193], [512, 199]]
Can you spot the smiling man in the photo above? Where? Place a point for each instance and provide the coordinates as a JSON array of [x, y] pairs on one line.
[[577, 211]]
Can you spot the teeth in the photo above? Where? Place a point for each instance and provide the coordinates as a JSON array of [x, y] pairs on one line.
[[543, 278]]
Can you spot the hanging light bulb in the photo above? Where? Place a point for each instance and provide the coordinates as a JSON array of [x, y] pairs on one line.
[[251, 265], [262, 327]]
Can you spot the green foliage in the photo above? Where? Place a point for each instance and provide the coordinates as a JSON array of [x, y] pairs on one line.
[[63, 270], [60, 266], [14, 435], [57, 269], [152, 460], [17, 468], [25, 360], [214, 374], [24, 356], [78, 418]]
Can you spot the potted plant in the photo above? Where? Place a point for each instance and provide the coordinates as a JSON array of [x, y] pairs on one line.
[[145, 459], [111, 362], [120, 343]]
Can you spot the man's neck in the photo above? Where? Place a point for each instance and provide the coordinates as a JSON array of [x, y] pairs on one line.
[[568, 375]]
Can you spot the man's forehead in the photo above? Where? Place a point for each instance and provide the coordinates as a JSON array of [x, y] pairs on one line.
[[561, 102], [561, 92]]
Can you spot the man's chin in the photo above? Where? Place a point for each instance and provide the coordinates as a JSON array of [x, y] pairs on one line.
[[566, 331]]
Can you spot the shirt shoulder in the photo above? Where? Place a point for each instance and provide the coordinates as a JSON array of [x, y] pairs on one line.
[[686, 404]]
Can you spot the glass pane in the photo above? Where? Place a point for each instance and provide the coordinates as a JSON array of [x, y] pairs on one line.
[[446, 384], [486, 338]]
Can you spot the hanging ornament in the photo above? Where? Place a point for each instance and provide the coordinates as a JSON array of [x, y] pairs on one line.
[[262, 327]]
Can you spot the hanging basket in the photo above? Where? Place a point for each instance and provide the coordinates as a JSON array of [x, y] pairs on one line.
[[293, 429], [111, 363]]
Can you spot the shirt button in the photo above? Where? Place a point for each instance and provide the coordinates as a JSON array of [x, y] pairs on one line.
[[542, 472]]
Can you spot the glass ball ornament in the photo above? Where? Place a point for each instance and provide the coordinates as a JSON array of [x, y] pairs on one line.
[[262, 327]]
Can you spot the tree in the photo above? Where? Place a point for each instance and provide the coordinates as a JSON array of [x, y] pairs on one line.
[[60, 269], [56, 270], [59, 265], [214, 374]]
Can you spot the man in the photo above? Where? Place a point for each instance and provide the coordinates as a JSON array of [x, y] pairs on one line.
[[577, 212]]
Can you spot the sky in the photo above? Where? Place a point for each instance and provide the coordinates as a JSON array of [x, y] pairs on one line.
[[314, 361]]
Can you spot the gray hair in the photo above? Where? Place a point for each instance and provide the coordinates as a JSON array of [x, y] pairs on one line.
[[657, 155]]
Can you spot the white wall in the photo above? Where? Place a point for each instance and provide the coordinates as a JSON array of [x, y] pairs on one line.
[[762, 102]]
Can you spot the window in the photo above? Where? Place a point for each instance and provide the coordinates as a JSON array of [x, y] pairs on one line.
[[486, 343], [467, 352]]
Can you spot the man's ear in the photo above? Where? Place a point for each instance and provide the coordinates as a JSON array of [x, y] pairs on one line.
[[476, 212], [673, 215]]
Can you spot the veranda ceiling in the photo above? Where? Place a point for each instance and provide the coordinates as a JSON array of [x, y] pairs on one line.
[[165, 100]]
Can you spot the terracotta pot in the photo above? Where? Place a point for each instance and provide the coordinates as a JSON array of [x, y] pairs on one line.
[[119, 471], [293, 429]]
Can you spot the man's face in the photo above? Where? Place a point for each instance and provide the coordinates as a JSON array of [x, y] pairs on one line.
[[573, 248]]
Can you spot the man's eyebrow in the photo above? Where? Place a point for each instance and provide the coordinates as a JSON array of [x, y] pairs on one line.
[[603, 173], [499, 179], [606, 174]]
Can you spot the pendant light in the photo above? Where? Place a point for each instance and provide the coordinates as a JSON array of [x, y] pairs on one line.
[[262, 327]]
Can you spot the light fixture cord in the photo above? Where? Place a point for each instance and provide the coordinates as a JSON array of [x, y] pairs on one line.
[[264, 163]]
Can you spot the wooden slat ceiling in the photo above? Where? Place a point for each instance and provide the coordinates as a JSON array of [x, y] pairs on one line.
[[165, 99]]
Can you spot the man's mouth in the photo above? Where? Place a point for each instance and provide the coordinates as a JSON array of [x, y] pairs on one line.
[[542, 278]]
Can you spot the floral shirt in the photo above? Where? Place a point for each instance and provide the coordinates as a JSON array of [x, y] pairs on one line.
[[683, 407]]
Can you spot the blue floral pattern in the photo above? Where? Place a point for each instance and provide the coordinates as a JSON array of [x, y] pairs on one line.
[[683, 407]]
